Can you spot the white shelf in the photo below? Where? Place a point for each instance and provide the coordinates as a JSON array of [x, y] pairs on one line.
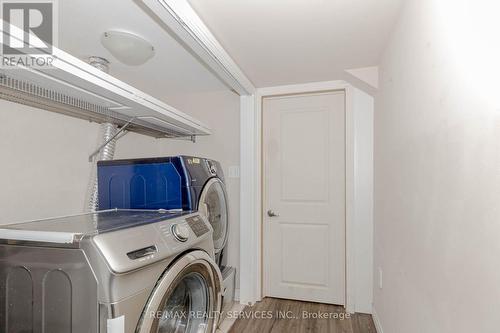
[[76, 88]]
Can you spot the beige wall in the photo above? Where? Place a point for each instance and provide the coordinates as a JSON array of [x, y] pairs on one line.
[[437, 175], [44, 166]]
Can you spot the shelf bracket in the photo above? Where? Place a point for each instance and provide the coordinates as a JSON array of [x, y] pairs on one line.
[[120, 131]]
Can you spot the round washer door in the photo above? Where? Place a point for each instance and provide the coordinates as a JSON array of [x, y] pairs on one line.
[[213, 204], [187, 298]]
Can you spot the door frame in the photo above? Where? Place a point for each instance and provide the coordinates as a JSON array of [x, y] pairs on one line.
[[251, 221]]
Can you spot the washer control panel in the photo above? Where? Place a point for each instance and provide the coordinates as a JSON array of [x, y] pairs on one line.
[[198, 226], [180, 232], [132, 248]]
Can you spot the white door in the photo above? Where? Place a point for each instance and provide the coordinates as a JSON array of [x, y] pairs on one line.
[[304, 197]]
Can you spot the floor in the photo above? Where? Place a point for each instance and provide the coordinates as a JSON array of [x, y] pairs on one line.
[[287, 316]]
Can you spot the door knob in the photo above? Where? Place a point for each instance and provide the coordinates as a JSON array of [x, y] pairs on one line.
[[271, 213]]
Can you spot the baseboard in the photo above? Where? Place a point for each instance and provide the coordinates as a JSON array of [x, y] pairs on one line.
[[376, 321], [366, 308]]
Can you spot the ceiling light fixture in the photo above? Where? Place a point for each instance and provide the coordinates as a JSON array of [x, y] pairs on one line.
[[128, 48]]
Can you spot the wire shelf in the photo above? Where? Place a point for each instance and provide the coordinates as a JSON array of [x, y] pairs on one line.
[[31, 94]]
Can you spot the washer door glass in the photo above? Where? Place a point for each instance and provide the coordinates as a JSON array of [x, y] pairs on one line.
[[214, 204], [187, 308]]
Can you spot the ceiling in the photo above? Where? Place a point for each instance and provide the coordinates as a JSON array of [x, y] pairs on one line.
[[171, 72], [296, 41]]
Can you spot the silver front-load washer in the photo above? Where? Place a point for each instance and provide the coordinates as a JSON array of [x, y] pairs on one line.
[[117, 271]]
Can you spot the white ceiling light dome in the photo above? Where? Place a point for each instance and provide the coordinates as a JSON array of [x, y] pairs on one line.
[[127, 47]]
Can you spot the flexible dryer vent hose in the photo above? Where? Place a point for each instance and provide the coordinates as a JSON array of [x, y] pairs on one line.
[[106, 132]]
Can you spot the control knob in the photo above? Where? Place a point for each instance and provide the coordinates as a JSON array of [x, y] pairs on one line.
[[180, 232]]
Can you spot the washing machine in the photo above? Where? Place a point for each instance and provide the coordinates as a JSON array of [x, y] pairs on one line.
[[114, 271], [178, 182]]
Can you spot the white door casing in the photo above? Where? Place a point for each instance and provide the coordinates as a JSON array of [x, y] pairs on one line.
[[304, 153]]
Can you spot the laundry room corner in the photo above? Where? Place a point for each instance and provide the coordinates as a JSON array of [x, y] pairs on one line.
[[220, 110]]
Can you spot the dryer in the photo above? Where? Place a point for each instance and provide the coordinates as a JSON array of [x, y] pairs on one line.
[[116, 271], [207, 191], [177, 182]]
